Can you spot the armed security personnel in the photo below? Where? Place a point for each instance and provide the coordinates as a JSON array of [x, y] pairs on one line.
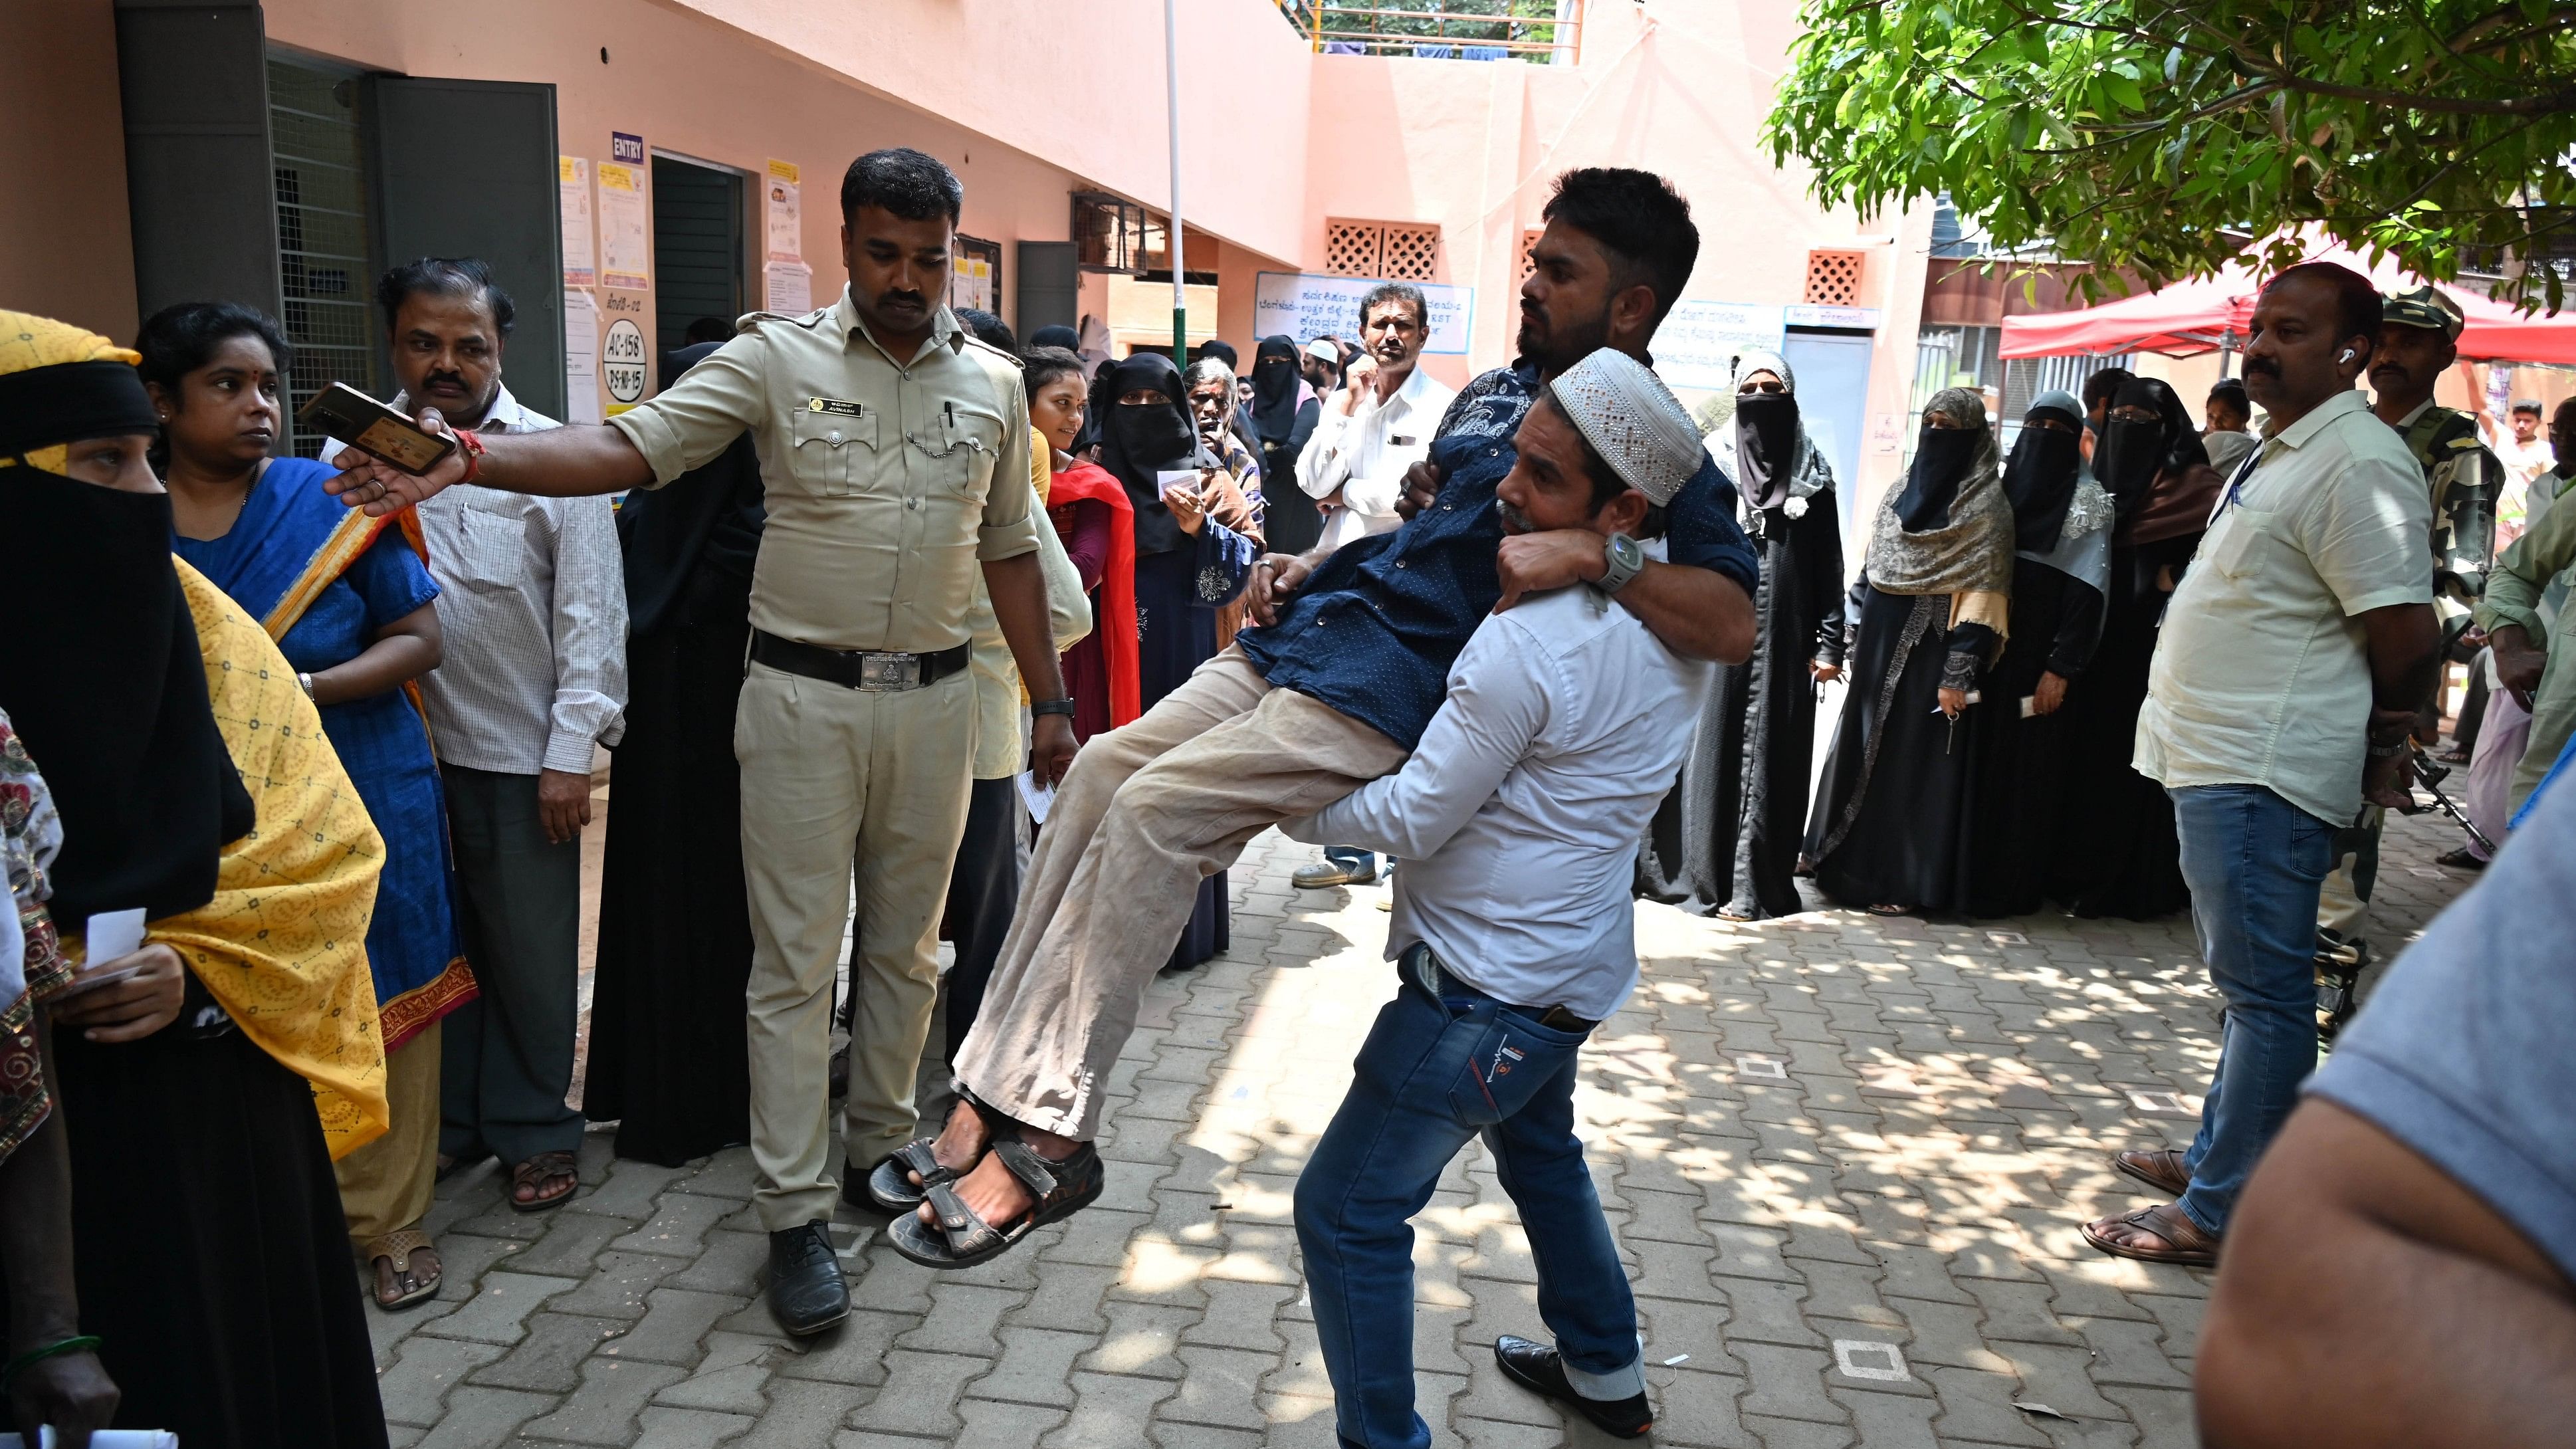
[[2418, 341], [895, 454]]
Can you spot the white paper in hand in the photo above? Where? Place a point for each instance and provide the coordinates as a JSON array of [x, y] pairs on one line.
[[111, 934], [1171, 478], [1038, 798]]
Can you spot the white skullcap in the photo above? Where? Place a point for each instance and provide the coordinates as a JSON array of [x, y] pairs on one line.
[[1323, 351], [1632, 420]]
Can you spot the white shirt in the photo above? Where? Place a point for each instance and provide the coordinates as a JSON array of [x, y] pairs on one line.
[[2522, 461], [2260, 675], [1365, 455], [532, 609], [1518, 817]]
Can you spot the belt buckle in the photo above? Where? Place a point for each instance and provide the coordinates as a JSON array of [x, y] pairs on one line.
[[889, 671]]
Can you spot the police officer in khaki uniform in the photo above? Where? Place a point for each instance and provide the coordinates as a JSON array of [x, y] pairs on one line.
[[2419, 337], [895, 453]]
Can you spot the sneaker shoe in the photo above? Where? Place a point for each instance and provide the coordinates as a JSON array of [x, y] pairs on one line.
[[1541, 1370], [1324, 874], [806, 1292]]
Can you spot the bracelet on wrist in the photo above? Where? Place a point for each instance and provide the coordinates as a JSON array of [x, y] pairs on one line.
[[79, 1343], [472, 447]]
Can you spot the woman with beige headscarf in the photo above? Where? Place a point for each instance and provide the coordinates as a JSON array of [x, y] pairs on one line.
[[1892, 813]]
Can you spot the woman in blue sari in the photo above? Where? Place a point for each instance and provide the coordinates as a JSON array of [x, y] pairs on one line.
[[347, 599]]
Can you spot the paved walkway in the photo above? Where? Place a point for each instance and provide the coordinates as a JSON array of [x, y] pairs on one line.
[[1846, 1159]]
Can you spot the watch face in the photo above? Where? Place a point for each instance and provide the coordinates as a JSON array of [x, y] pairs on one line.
[[1625, 549]]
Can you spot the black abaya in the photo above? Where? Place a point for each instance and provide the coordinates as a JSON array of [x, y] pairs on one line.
[[1727, 837], [2117, 853], [2021, 784], [1290, 522], [211, 1254], [668, 1060], [1892, 823]]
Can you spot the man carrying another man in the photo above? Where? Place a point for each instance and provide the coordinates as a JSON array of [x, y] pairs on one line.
[[1518, 818], [894, 455], [1334, 692], [1372, 431]]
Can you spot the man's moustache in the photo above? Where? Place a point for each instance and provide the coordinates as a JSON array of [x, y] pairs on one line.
[[2263, 365], [891, 299], [444, 379]]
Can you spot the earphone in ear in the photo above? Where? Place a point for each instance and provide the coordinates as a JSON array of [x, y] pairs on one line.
[[2346, 355]]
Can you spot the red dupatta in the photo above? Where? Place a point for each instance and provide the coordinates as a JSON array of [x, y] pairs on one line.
[[1116, 626]]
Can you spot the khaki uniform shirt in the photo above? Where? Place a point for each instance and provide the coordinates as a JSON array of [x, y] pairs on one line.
[[887, 480], [2261, 676]]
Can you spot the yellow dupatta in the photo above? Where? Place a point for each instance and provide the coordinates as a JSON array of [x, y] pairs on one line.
[[283, 944]]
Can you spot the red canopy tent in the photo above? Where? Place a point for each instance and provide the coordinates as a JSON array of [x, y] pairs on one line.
[[2203, 315]]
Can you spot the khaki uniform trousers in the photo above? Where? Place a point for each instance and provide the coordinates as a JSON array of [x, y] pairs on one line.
[[829, 773], [1148, 812]]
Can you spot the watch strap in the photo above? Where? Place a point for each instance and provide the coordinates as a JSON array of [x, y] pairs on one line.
[[1616, 570], [1053, 706]]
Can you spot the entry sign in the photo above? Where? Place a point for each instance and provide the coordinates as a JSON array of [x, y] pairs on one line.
[[621, 360], [1696, 345], [1305, 306]]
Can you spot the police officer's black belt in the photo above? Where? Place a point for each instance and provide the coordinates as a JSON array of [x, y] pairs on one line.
[[873, 670]]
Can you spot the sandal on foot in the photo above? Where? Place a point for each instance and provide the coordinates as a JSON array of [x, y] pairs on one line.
[[890, 1186], [963, 1240], [2173, 1237], [2163, 1171], [1888, 912], [397, 1247], [535, 1172]]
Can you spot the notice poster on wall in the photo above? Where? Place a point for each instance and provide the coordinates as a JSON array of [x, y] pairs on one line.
[[789, 287], [625, 218], [580, 235], [1305, 306], [581, 357], [1696, 345], [970, 283], [785, 212]]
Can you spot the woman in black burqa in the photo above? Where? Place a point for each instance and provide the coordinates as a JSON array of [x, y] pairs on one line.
[[1726, 839], [1891, 830]]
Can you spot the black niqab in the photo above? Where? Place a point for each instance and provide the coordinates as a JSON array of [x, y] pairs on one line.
[[1943, 458], [1766, 447], [1139, 440], [2133, 454], [1274, 388], [2039, 478], [102, 678]]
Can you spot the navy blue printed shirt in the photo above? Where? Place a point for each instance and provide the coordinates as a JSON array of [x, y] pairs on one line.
[[1374, 632]]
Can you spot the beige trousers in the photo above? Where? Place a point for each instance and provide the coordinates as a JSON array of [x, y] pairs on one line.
[[829, 773], [1149, 811], [386, 1185]]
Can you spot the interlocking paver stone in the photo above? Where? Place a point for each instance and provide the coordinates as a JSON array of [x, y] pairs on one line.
[[1914, 1177]]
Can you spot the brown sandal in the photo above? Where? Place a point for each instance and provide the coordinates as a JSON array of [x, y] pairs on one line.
[[534, 1173], [397, 1248], [2163, 1171], [2177, 1239]]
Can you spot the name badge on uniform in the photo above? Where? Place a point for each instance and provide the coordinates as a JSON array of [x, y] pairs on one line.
[[836, 407], [1399, 440]]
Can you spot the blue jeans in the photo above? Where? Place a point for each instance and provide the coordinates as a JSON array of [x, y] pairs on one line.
[[1434, 1072], [1352, 858], [2254, 862]]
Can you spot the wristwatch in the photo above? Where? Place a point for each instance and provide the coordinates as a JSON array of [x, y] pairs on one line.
[[1053, 706], [1621, 561]]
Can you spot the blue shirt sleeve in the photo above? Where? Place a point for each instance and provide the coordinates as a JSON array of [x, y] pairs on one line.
[[1700, 530], [390, 579]]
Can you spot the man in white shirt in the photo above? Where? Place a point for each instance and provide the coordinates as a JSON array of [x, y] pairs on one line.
[[2523, 451], [1378, 425], [1518, 820], [2283, 692], [532, 602]]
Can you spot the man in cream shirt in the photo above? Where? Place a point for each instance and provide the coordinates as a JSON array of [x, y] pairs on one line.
[[1378, 425], [2293, 659]]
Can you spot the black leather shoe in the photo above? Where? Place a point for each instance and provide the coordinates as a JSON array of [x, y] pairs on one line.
[[1541, 1369], [806, 1294]]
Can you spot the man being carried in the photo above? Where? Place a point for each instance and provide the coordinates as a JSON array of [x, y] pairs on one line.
[[1518, 817], [1333, 693]]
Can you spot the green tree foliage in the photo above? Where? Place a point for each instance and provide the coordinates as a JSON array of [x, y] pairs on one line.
[[2139, 134]]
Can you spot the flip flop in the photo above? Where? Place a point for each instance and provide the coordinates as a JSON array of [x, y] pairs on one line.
[[397, 1247], [963, 1240], [2178, 1239]]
